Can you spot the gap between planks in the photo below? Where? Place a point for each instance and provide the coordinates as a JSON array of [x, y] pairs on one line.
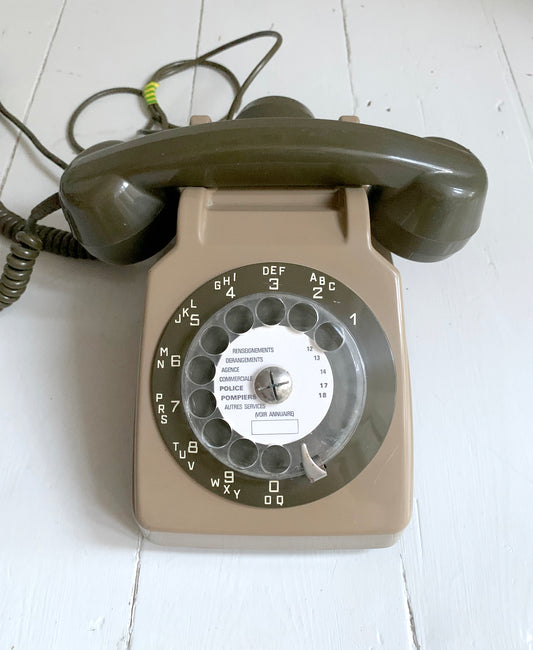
[[413, 636], [140, 545], [32, 95], [348, 55], [195, 68], [134, 592], [510, 79]]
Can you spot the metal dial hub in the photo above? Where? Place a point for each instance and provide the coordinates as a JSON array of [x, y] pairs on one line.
[[273, 385]]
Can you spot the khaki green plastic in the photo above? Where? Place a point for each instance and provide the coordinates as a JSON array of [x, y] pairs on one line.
[[223, 229], [274, 106], [427, 193]]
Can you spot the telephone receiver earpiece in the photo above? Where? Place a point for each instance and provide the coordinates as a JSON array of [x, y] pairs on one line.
[[426, 194]]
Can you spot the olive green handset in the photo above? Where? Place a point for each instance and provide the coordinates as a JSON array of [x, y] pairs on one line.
[[426, 194]]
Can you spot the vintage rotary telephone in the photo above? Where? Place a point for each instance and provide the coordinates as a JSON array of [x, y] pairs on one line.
[[274, 397]]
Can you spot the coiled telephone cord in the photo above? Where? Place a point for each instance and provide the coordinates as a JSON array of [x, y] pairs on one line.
[[28, 237], [54, 240], [28, 243]]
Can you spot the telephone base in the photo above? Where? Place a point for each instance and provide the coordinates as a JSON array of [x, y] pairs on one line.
[[210, 475], [271, 542]]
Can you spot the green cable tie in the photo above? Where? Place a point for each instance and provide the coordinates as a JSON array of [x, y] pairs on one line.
[[149, 92]]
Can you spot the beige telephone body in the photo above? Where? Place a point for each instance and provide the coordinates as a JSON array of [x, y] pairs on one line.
[[274, 404]]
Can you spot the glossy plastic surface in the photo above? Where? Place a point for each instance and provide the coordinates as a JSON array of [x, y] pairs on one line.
[[426, 198]]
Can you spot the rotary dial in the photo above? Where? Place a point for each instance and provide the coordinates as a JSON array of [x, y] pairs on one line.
[[273, 385]]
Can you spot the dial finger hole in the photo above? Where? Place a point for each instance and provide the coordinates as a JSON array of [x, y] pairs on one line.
[[202, 403], [239, 319], [270, 311], [328, 337], [302, 317], [201, 370], [215, 340], [275, 459], [217, 433], [243, 453]]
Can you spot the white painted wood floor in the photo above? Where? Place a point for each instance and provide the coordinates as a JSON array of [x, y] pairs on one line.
[[74, 572]]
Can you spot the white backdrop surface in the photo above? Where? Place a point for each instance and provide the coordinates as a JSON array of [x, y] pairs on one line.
[[74, 570]]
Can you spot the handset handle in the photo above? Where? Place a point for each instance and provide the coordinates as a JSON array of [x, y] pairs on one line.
[[426, 198]]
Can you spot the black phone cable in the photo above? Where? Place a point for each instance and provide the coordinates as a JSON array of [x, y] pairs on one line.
[[158, 119], [24, 252], [32, 137], [29, 237], [54, 240]]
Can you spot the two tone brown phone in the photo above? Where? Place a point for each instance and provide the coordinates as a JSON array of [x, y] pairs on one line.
[[274, 405]]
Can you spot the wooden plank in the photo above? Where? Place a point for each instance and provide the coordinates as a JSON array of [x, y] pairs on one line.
[[301, 601], [438, 68], [69, 349], [310, 65], [305, 601], [513, 26], [26, 33]]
